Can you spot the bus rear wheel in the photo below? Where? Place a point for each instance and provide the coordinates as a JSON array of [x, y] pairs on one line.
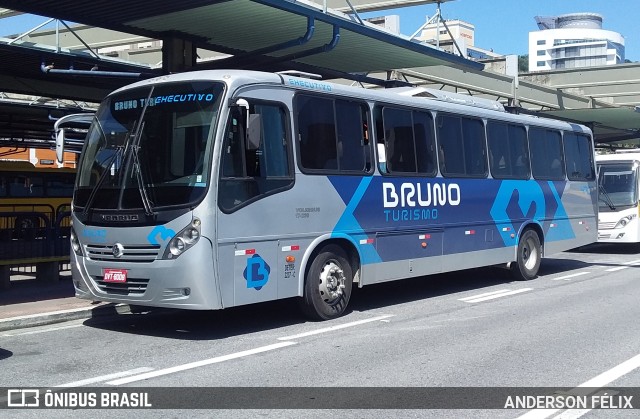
[[328, 283], [528, 257]]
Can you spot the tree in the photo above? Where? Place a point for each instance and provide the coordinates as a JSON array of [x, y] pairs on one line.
[[523, 63]]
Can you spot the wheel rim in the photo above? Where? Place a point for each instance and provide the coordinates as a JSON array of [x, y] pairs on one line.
[[331, 282], [529, 253]]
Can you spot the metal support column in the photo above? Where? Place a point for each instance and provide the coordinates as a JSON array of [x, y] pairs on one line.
[[178, 55]]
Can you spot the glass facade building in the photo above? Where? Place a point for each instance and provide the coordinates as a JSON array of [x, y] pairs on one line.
[[573, 41]]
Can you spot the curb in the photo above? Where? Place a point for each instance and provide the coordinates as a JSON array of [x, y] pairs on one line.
[[53, 317]]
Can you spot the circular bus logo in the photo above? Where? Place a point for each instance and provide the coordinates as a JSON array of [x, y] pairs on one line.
[[118, 250]]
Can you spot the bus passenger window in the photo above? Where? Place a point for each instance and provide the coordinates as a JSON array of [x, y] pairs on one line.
[[546, 154], [579, 156], [409, 142], [508, 156], [332, 135], [461, 141]]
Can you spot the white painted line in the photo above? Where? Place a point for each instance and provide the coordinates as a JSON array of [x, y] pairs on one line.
[[480, 298], [577, 413], [483, 295], [33, 332], [596, 382], [197, 364], [106, 377], [572, 414], [338, 327], [568, 277], [627, 265]]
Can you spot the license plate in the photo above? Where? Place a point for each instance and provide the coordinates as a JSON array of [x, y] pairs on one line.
[[115, 275]]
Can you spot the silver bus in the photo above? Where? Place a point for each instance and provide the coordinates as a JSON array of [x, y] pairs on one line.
[[215, 189]]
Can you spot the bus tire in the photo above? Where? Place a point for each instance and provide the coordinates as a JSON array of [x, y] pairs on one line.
[[327, 285], [528, 256]]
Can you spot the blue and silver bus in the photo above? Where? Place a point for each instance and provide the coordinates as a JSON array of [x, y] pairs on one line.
[[215, 189]]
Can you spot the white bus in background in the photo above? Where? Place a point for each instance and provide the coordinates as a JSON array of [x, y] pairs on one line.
[[618, 197]]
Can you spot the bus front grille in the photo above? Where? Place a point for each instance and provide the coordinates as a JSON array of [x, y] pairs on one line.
[[606, 226], [131, 253], [132, 286]]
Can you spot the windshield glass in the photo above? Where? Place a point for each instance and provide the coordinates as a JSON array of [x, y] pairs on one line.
[[617, 185], [150, 147]]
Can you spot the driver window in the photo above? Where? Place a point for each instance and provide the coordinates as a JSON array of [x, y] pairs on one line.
[[256, 156]]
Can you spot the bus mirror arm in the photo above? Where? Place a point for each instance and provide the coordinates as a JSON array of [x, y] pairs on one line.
[[60, 145]]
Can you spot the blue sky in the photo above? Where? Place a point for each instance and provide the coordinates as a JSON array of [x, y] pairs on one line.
[[503, 25]]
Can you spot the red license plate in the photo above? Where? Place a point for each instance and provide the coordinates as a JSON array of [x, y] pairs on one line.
[[115, 275]]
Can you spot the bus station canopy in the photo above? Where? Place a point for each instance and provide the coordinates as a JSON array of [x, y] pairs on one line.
[[276, 35], [267, 35]]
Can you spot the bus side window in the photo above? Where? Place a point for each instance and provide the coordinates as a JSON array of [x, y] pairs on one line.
[[256, 168], [26, 186], [579, 156], [546, 154]]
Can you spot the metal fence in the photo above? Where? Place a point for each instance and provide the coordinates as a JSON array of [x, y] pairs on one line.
[[35, 233]]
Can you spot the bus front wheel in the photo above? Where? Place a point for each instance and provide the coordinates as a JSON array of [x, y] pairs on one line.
[[528, 257], [328, 283]]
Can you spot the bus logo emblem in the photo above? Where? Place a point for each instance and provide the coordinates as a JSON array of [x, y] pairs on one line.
[[117, 250], [257, 272]]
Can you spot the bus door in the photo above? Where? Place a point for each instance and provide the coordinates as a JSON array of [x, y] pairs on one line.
[[256, 170]]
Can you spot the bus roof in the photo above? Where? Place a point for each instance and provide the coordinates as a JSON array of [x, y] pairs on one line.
[[443, 101], [620, 156]]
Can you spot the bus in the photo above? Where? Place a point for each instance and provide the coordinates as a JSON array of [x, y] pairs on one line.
[[34, 217], [618, 196], [33, 197], [221, 188]]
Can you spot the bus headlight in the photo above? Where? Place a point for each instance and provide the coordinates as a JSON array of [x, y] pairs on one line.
[[177, 246], [75, 244], [191, 235], [183, 240], [625, 220]]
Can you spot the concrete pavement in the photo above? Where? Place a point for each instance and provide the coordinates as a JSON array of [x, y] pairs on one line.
[[30, 302]]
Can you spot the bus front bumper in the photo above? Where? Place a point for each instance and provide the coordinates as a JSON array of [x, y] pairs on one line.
[[187, 282]]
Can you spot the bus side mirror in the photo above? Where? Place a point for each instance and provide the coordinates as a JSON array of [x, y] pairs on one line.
[[254, 131], [252, 124], [81, 120], [60, 145]]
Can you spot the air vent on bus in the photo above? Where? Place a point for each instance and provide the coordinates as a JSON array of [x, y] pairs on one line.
[[131, 253], [449, 97], [132, 286], [301, 74]]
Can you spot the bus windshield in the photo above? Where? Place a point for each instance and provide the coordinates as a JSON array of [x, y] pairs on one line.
[[617, 186], [149, 148]]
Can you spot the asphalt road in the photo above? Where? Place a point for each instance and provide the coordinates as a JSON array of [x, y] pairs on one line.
[[575, 325]]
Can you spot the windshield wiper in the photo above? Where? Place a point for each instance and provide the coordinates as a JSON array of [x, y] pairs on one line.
[[134, 161], [137, 168], [604, 197]]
